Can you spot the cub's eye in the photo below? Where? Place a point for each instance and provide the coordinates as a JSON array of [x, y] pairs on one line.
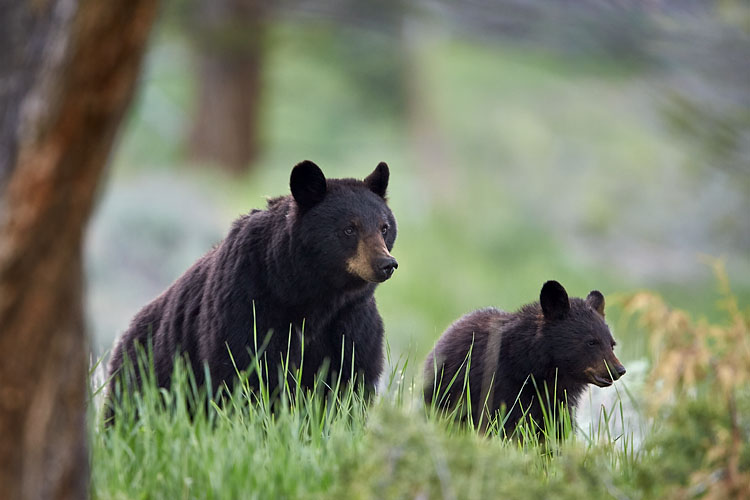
[[349, 231], [384, 229], [593, 342]]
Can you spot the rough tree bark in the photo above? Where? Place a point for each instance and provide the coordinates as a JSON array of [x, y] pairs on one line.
[[228, 35], [75, 64]]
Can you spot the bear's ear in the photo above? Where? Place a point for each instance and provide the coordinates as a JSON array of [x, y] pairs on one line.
[[554, 300], [596, 300], [377, 181], [308, 184]]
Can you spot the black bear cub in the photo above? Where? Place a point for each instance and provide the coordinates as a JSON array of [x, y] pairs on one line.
[[297, 276], [552, 348]]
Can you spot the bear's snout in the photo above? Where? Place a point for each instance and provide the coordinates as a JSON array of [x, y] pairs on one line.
[[616, 368], [619, 372], [605, 375], [372, 262], [385, 267]]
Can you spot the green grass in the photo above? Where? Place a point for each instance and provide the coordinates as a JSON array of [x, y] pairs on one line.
[[339, 447], [335, 446]]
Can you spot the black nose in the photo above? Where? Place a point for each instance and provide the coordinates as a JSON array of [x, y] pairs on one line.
[[616, 370], [387, 266], [619, 372]]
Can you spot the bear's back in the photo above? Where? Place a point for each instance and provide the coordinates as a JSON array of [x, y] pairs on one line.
[[480, 333]]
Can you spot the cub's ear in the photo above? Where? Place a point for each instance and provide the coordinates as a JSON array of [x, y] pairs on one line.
[[554, 300], [377, 181], [308, 184], [596, 300]]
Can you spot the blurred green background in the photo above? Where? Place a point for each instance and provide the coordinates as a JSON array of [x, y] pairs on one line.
[[605, 147]]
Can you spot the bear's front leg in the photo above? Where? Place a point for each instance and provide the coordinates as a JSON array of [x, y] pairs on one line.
[[351, 345]]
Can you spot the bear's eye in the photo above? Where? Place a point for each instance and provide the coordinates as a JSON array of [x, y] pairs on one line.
[[384, 229], [349, 231], [593, 342]]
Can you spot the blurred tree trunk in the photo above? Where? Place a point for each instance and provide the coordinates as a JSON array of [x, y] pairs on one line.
[[229, 40], [72, 65]]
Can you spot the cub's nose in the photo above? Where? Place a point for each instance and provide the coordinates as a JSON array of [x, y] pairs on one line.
[[619, 371], [386, 267]]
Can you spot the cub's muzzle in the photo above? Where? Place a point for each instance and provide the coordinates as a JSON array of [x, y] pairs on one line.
[[606, 376]]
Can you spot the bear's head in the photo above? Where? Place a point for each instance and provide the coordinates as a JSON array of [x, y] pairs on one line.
[[579, 341], [344, 225]]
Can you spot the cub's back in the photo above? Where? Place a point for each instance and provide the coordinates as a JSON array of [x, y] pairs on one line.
[[479, 332]]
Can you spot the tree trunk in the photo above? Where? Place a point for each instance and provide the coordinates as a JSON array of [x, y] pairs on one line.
[[229, 40], [78, 81]]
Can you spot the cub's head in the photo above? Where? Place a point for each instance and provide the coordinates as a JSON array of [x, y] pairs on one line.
[[344, 225], [579, 340]]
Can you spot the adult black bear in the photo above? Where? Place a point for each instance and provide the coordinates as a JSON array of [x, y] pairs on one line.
[[555, 346], [302, 271]]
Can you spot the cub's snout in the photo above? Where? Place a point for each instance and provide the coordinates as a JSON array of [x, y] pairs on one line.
[[606, 373]]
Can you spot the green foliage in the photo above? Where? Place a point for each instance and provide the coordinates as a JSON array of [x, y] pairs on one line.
[[315, 446], [332, 444], [700, 396], [410, 457]]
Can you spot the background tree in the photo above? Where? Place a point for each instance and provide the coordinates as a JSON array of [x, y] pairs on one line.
[[228, 39], [71, 68]]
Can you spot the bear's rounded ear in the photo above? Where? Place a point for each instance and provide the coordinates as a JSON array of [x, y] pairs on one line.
[[308, 184], [596, 300], [377, 181], [554, 300]]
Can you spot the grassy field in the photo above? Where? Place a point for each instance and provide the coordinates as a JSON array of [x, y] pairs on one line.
[[543, 167], [690, 439]]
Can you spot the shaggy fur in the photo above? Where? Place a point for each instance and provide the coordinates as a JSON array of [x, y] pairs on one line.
[[312, 258], [562, 344]]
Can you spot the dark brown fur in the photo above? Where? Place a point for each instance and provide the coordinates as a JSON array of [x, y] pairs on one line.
[[556, 343], [284, 273]]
